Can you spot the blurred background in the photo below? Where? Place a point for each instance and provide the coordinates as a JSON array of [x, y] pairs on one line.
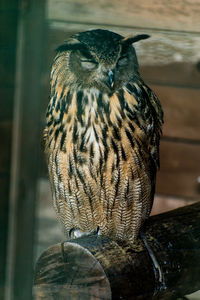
[[30, 31]]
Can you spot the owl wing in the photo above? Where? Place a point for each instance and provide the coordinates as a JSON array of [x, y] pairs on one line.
[[154, 131]]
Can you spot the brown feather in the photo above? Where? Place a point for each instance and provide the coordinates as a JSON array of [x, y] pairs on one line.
[[103, 154]]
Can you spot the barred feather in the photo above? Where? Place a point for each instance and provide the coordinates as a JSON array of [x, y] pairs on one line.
[[102, 161], [103, 153]]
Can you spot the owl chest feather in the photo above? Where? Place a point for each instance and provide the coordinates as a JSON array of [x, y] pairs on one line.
[[98, 156], [99, 130], [93, 122]]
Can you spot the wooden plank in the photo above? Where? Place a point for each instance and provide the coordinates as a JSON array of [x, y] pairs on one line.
[[172, 15], [25, 151], [181, 108], [161, 49], [173, 74], [179, 174]]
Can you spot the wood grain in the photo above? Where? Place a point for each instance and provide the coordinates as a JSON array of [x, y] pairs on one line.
[[180, 170], [172, 15], [84, 271]]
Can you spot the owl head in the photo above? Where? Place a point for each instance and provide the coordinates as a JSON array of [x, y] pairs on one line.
[[96, 59]]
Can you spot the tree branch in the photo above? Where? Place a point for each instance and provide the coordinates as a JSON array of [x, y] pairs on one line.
[[94, 267]]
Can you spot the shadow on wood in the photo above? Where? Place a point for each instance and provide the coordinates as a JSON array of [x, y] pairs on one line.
[[99, 268]]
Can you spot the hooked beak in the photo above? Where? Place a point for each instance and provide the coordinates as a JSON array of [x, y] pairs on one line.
[[111, 78]]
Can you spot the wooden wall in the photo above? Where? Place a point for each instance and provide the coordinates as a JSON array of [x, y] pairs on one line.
[[169, 63], [179, 15]]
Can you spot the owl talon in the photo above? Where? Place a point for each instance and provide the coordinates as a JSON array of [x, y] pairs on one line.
[[75, 233], [98, 232]]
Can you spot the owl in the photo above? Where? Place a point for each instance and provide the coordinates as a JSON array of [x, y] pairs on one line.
[[101, 136]]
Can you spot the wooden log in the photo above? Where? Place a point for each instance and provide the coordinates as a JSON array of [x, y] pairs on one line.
[[100, 268]]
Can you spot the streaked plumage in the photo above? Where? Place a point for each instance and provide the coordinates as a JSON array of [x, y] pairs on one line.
[[102, 136]]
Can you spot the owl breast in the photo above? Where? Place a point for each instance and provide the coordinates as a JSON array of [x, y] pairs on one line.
[[99, 157]]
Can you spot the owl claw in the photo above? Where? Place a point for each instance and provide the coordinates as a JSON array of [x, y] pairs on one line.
[[98, 231], [75, 233]]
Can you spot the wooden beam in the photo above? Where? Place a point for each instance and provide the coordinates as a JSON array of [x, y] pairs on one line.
[[25, 150], [8, 38], [100, 268], [170, 15]]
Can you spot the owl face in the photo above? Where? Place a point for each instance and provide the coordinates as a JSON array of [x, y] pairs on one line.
[[98, 59]]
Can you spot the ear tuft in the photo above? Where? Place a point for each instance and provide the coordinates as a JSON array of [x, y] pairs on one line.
[[128, 40]]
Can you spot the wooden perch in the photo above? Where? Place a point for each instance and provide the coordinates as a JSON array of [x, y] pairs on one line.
[[99, 268]]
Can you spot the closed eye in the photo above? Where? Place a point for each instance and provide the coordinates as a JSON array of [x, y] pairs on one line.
[[122, 61], [88, 64]]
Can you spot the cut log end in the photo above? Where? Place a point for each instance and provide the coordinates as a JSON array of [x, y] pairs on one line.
[[93, 268], [69, 271]]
